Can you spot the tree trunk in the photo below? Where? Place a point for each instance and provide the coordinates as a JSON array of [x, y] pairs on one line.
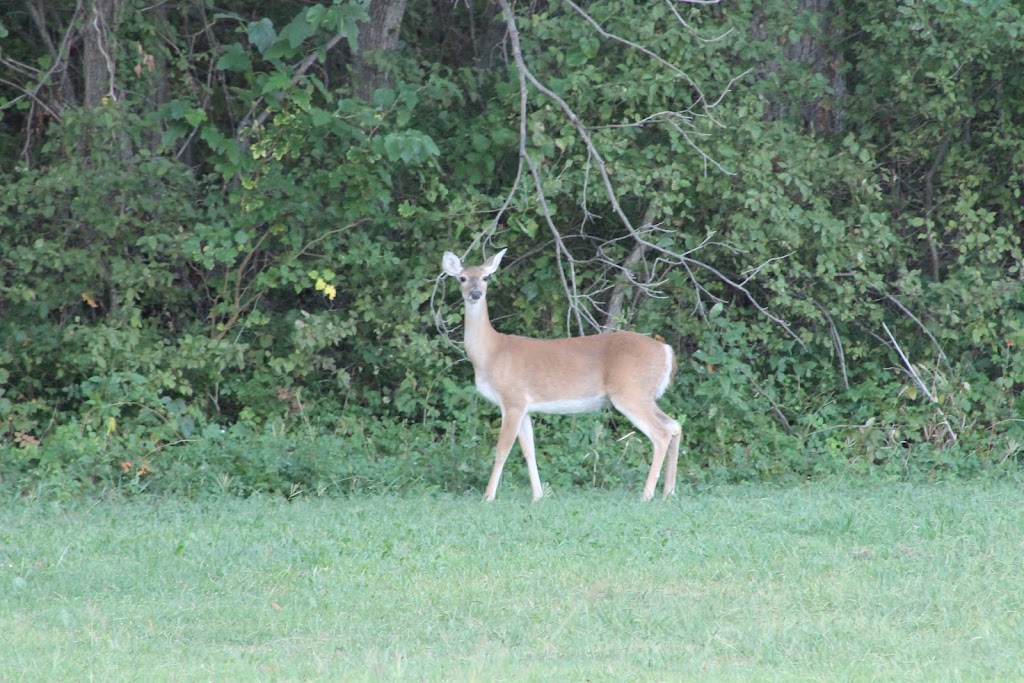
[[380, 33], [98, 52], [815, 49]]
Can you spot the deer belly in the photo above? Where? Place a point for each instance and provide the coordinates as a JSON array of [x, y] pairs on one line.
[[566, 406], [569, 405]]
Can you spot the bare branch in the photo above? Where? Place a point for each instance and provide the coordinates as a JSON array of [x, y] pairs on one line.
[[102, 34], [903, 309], [907, 364], [643, 50], [917, 380], [524, 156], [686, 25], [751, 273], [27, 93], [58, 65], [776, 408], [750, 298], [619, 290], [837, 343], [594, 155]]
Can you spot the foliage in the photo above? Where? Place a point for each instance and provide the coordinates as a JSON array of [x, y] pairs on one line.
[[227, 268]]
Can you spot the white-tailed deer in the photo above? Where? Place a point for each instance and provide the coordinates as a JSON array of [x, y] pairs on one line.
[[572, 375]]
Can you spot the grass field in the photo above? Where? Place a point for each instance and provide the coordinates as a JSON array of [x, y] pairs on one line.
[[826, 581]]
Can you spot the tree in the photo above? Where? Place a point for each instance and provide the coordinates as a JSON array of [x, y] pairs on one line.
[[679, 128], [233, 215], [99, 52], [380, 33]]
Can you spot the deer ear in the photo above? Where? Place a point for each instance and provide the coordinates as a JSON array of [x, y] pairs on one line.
[[451, 264], [491, 264]]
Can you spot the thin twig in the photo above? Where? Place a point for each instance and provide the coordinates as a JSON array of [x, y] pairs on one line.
[[682, 22], [526, 76], [643, 50], [896, 302], [837, 343], [917, 379], [300, 71], [776, 408], [907, 364]]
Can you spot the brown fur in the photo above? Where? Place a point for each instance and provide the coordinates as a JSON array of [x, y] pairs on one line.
[[576, 374]]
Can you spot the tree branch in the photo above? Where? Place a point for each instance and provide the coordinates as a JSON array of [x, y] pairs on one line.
[[837, 343], [643, 50], [526, 76], [615, 301], [300, 70], [917, 380], [903, 309]]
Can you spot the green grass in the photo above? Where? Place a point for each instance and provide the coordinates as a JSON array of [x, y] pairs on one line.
[[827, 581]]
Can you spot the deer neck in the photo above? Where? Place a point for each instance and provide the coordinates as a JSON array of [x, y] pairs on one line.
[[481, 338]]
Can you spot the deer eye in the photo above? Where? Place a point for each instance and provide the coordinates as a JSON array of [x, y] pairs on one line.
[[462, 278], [485, 277]]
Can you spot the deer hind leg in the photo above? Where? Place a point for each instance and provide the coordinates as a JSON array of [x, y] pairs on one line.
[[663, 432], [526, 446], [511, 423], [669, 487]]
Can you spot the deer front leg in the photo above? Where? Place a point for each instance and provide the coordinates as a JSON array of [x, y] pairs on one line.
[[511, 421], [526, 445]]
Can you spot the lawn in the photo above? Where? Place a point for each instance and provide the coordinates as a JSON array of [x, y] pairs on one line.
[[825, 581]]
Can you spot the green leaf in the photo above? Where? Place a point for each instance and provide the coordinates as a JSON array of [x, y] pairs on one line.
[[529, 226], [349, 15], [481, 143], [186, 425], [410, 146], [296, 32], [235, 58], [276, 82], [262, 34], [195, 116], [320, 117], [315, 15]]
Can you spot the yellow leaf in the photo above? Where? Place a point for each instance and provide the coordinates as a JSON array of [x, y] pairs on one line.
[[111, 424]]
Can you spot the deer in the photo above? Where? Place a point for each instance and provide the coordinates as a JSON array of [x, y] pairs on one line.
[[524, 375]]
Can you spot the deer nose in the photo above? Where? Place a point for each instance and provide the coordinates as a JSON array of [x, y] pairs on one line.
[[475, 294]]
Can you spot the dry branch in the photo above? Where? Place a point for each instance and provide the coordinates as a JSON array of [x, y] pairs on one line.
[[594, 155], [837, 342], [917, 380]]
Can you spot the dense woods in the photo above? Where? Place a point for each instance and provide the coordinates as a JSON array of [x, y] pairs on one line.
[[221, 229]]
